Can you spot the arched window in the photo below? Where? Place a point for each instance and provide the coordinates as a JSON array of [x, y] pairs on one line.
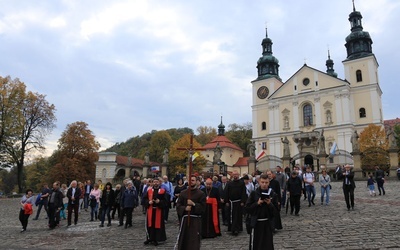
[[307, 115], [359, 76], [362, 113], [263, 126]]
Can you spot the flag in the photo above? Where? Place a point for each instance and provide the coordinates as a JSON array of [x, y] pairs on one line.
[[155, 169], [260, 155], [194, 156], [333, 149]]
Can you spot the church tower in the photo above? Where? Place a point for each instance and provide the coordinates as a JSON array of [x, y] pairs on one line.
[[267, 82], [361, 71]]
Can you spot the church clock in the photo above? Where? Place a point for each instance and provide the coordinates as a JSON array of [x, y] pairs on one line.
[[262, 92]]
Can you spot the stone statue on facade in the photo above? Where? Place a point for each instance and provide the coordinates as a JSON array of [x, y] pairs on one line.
[[217, 154], [252, 150], [165, 156], [329, 117], [147, 157], [391, 137], [321, 143], [354, 141], [286, 150]]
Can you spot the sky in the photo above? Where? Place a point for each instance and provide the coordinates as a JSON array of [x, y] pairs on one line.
[[129, 67]]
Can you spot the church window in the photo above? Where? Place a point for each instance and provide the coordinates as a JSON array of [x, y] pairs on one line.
[[316, 83], [264, 145], [307, 115], [263, 126], [306, 81], [359, 76], [362, 113], [295, 87]]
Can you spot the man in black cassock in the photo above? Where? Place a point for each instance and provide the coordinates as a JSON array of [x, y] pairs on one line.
[[222, 194], [190, 211], [210, 219], [276, 201], [235, 199], [259, 206], [155, 200]]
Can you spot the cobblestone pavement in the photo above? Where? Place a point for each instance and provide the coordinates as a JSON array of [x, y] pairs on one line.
[[374, 224]]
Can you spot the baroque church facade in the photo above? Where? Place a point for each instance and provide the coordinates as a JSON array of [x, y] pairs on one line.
[[314, 114]]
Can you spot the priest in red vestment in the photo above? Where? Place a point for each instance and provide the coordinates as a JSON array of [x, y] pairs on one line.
[[155, 201], [210, 219]]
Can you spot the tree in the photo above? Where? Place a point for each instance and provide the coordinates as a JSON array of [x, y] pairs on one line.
[[240, 135], [179, 158], [396, 130], [159, 141], [205, 134], [37, 173], [373, 136], [76, 154], [8, 181], [32, 118], [373, 144]]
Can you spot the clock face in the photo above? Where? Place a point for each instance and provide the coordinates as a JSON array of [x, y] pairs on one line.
[[262, 92]]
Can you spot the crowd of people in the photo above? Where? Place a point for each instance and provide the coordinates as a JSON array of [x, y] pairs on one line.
[[251, 200]]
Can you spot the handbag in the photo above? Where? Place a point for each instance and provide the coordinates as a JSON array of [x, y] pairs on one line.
[[28, 208]]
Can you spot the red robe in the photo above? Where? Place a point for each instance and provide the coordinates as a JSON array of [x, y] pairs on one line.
[[154, 217], [210, 220]]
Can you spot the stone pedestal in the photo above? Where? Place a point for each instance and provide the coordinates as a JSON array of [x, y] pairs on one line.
[[251, 163], [145, 172], [322, 161], [285, 161], [216, 168], [394, 161], [164, 170], [127, 172], [357, 166]]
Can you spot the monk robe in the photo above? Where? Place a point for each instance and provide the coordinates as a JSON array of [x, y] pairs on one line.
[[235, 195], [261, 236], [210, 221], [190, 228], [276, 198], [154, 216]]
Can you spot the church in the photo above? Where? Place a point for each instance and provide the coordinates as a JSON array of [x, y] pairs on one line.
[[312, 117]]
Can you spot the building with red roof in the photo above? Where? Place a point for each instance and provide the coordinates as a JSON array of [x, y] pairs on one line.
[[230, 154]]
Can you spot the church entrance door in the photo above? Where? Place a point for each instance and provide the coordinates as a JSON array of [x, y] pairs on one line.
[[309, 160]]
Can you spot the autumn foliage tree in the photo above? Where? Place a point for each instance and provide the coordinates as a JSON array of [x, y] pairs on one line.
[[240, 135], [158, 143], [373, 144], [25, 119], [179, 158], [76, 154], [205, 134]]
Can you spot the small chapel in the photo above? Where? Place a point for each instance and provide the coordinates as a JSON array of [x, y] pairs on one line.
[[315, 116]]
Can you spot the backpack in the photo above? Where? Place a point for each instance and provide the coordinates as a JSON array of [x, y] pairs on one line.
[[38, 201]]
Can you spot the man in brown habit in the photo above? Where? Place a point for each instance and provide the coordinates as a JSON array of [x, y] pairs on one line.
[[190, 207]]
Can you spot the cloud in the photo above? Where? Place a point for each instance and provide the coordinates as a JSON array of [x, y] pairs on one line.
[[127, 67]]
